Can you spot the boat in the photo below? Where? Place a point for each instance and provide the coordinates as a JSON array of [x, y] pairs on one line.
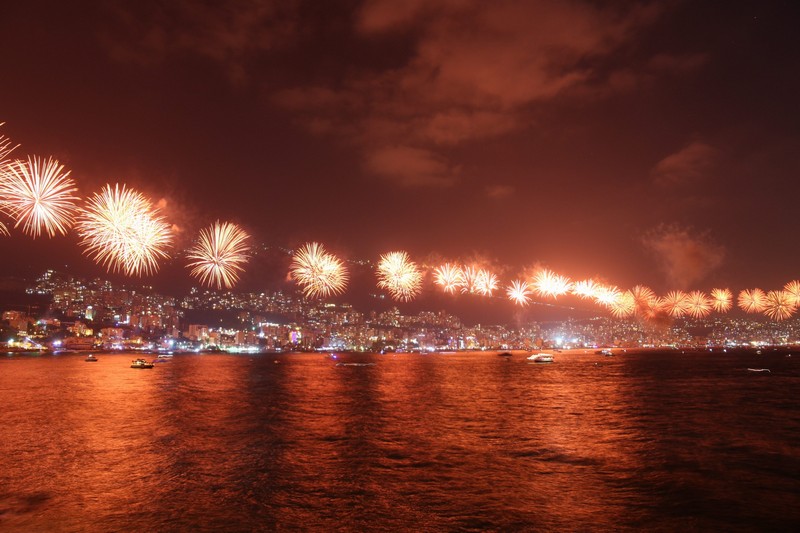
[[607, 353], [78, 343], [541, 358], [758, 370], [504, 354], [141, 363], [91, 358]]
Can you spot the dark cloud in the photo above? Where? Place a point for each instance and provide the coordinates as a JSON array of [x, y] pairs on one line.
[[499, 192], [410, 167], [689, 166], [230, 34], [473, 73]]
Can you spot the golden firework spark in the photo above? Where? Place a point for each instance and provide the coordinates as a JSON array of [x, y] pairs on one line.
[[38, 195], [721, 300], [122, 231], [586, 288], [645, 300], [5, 147], [779, 305], [5, 150], [623, 305], [607, 295], [485, 282], [548, 283], [675, 303], [700, 304], [449, 277], [219, 254], [752, 300], [643, 295], [793, 290], [318, 273], [519, 292], [399, 275], [470, 277]]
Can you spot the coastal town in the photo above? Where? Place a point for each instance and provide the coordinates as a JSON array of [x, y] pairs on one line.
[[88, 315]]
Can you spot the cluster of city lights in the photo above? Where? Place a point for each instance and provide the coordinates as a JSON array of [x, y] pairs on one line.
[[123, 231]]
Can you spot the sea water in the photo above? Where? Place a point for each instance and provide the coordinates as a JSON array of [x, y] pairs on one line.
[[660, 441]]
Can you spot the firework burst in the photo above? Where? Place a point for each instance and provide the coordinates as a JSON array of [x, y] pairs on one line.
[[399, 275], [548, 283], [779, 305], [623, 305], [122, 231], [721, 300], [219, 255], [485, 282], [469, 274], [793, 290], [586, 288], [5, 150], [38, 195], [318, 273], [449, 277], [519, 292], [675, 303], [700, 305], [607, 295], [752, 300], [645, 300]]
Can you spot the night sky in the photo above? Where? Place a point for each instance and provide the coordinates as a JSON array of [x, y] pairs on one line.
[[646, 142]]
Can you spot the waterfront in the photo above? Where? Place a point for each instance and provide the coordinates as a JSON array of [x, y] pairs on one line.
[[464, 441]]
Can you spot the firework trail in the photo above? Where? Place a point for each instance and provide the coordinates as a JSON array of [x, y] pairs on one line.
[[752, 300], [519, 292], [779, 305], [219, 255], [721, 300], [318, 273], [122, 231], [399, 275], [38, 195], [449, 277]]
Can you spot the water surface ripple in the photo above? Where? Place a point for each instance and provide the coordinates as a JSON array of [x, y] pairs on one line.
[[441, 442]]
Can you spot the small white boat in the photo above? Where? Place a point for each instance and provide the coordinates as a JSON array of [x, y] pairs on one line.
[[90, 358], [758, 369], [541, 358]]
